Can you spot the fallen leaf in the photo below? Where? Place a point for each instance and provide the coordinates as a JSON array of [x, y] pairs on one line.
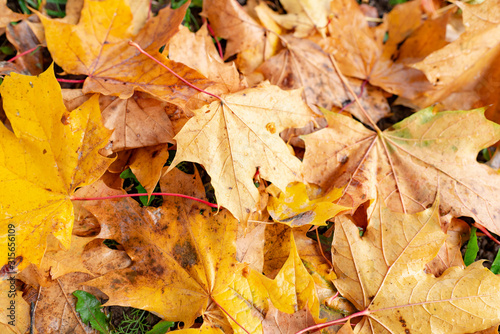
[[55, 310], [247, 126], [138, 121], [183, 256], [276, 253], [23, 38], [304, 17], [382, 273], [58, 262], [302, 63], [409, 162], [293, 288], [197, 51], [464, 72], [277, 322], [13, 319], [480, 38], [147, 163], [98, 47], [8, 16], [244, 35], [294, 208], [449, 255], [101, 259], [362, 52], [50, 154]]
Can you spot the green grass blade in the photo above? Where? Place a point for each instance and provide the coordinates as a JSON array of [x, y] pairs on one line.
[[472, 248], [161, 328], [495, 267]]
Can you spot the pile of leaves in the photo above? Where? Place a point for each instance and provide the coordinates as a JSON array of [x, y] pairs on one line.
[[275, 203]]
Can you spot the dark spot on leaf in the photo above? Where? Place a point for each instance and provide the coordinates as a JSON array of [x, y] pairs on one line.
[[344, 159], [44, 151], [159, 270], [65, 118], [185, 254], [155, 153], [230, 188]]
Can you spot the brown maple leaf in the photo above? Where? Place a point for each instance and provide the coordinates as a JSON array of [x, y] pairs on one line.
[[302, 63], [409, 162]]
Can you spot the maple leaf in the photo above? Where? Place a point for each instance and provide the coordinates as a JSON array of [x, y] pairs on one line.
[[302, 63], [362, 53], [293, 288], [304, 16], [183, 254], [409, 162], [294, 208], [234, 137], [382, 274], [8, 16], [277, 251], [50, 154], [197, 51], [98, 47], [244, 35], [464, 72], [277, 322], [20, 316], [137, 122]]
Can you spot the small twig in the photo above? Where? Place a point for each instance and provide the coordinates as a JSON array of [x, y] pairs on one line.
[[136, 195], [69, 304], [141, 50], [321, 249], [32, 318], [23, 54]]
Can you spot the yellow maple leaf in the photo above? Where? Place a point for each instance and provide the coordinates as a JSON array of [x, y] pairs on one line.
[[231, 138], [294, 208], [50, 153], [383, 274], [293, 288], [98, 47], [184, 256]]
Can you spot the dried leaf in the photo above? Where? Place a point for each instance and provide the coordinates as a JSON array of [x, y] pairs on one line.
[[303, 64], [294, 208], [246, 127], [382, 273], [409, 162]]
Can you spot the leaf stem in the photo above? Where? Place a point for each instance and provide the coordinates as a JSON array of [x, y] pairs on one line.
[[23, 53], [229, 315], [212, 32], [135, 195], [485, 231], [333, 322], [70, 80], [141, 50], [349, 88]]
